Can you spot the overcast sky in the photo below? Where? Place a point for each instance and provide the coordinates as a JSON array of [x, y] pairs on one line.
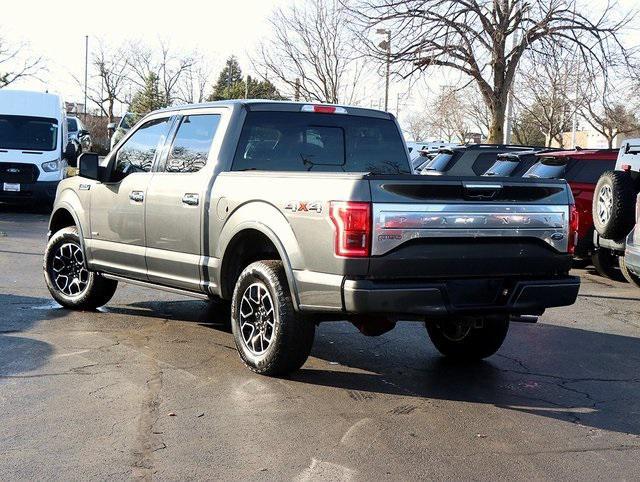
[[216, 28]]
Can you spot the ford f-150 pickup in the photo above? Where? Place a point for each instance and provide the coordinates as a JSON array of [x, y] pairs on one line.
[[298, 214]]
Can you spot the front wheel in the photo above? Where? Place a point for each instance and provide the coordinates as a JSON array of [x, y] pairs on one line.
[[469, 338], [271, 338], [69, 281]]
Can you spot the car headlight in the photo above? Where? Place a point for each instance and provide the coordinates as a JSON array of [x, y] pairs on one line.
[[51, 166]]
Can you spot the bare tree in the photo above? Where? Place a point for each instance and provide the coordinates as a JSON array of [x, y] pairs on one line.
[[168, 65], [311, 52], [417, 125], [109, 78], [549, 92], [448, 115], [16, 63], [486, 40], [192, 87], [609, 110]]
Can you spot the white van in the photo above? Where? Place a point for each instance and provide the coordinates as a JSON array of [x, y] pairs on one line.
[[34, 152]]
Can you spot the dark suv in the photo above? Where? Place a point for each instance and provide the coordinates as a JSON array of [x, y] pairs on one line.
[[469, 160]]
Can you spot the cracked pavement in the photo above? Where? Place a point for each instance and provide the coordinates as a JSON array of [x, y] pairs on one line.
[[150, 387]]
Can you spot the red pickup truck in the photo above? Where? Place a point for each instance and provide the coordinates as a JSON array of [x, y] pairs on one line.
[[582, 169]]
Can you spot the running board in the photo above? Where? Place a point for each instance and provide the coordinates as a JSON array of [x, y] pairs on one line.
[[146, 284]]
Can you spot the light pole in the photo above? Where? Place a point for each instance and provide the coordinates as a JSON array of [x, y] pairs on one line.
[[86, 73], [386, 45]]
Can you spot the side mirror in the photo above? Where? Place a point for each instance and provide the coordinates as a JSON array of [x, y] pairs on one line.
[[82, 133], [90, 167], [71, 151], [111, 127]]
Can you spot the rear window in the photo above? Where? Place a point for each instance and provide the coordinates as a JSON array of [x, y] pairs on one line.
[[301, 141], [442, 162], [72, 124], [502, 168], [589, 172], [548, 168]]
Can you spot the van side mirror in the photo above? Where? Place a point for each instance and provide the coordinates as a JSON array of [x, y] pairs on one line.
[[90, 167], [71, 152]]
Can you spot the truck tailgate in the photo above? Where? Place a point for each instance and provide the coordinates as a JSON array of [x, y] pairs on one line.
[[427, 227]]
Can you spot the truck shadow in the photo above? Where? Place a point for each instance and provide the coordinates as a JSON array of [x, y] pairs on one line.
[[561, 372], [20, 354], [584, 377]]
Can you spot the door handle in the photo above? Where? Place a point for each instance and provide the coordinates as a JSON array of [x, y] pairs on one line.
[[136, 196], [191, 199]]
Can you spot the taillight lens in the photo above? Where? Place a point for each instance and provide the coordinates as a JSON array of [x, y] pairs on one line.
[[353, 228], [574, 223]]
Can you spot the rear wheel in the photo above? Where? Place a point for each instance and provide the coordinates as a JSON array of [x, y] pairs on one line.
[[271, 338], [69, 281], [632, 278], [606, 264], [469, 338]]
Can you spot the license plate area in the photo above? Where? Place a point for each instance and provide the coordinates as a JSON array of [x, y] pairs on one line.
[[474, 292], [11, 187]]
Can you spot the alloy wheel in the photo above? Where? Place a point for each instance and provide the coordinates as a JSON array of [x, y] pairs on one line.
[[257, 318], [605, 204], [67, 270]]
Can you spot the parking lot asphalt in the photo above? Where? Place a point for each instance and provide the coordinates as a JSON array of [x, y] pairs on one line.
[[150, 387]]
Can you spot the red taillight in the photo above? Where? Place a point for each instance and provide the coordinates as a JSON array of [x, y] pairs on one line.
[[574, 223], [353, 228]]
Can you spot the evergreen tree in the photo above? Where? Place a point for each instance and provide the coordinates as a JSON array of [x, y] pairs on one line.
[[229, 84], [149, 98]]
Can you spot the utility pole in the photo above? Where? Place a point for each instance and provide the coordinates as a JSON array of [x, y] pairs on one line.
[[386, 45], [86, 73]]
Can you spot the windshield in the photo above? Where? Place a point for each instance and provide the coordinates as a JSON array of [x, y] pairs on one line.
[[28, 133], [548, 168], [439, 163], [502, 168], [72, 124], [301, 141]]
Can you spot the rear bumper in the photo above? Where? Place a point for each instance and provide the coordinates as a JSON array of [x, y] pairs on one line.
[[459, 296], [42, 191]]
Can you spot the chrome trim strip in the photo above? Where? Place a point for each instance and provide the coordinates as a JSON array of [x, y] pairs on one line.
[[395, 224]]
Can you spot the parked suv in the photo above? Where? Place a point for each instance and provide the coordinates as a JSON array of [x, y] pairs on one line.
[[614, 210], [582, 169], [297, 214], [466, 160]]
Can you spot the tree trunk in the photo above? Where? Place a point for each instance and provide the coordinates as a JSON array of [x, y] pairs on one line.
[[496, 129]]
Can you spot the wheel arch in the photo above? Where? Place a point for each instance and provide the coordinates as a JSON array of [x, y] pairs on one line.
[[65, 214], [248, 242]]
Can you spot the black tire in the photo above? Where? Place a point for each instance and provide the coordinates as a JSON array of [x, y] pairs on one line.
[[291, 335], [627, 274], [473, 339], [614, 203], [92, 291], [606, 264]]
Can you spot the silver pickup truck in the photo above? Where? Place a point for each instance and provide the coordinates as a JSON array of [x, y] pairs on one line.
[[299, 214]]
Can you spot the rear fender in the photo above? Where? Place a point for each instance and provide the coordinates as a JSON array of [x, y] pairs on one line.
[[268, 220]]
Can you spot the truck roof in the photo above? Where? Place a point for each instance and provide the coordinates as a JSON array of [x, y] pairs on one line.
[[279, 105], [30, 103], [592, 154]]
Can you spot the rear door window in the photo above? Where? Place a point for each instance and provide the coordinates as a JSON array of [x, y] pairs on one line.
[[192, 142], [303, 141]]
